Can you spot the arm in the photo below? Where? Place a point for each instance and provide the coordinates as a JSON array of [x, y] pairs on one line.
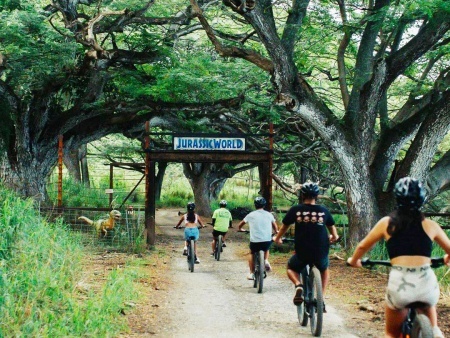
[[442, 239], [334, 235], [240, 225], [275, 227], [376, 234], [281, 232], [179, 222], [200, 221]]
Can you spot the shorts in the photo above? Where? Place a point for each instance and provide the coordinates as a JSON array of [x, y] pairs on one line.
[[257, 246], [191, 232], [408, 285], [216, 233], [297, 263]]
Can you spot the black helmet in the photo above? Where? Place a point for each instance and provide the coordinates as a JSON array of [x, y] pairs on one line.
[[310, 189], [260, 202], [223, 203], [409, 193], [191, 206]]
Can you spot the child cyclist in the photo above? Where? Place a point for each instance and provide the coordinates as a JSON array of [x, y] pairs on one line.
[[409, 237], [191, 228], [312, 242], [221, 221], [261, 223]]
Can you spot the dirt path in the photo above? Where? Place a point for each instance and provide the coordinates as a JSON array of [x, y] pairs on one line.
[[218, 300]]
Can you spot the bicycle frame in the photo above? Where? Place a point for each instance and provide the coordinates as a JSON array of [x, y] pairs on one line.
[[312, 306], [218, 247], [260, 272], [191, 253]]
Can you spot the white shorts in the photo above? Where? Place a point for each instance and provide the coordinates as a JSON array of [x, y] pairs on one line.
[[407, 285]]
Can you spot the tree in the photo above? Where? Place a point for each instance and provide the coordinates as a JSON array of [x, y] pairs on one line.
[[390, 108], [94, 86]]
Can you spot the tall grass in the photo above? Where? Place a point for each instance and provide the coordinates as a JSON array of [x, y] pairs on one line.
[[40, 266]]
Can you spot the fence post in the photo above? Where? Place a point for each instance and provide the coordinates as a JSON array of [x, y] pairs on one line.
[[60, 169]]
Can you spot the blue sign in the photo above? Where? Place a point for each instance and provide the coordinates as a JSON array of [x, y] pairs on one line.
[[208, 143]]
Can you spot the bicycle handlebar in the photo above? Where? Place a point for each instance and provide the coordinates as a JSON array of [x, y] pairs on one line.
[[368, 263]]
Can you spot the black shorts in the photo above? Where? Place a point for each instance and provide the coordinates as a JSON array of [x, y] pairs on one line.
[[264, 246], [216, 233], [297, 264]]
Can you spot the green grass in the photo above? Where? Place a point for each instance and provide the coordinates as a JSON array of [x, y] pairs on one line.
[[40, 266]]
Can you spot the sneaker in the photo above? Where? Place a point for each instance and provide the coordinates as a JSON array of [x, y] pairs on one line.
[[212, 254], [251, 276], [224, 245], [437, 333], [298, 298], [268, 267], [185, 251], [197, 261]]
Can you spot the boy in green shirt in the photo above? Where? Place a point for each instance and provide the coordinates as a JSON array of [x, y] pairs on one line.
[[221, 221]]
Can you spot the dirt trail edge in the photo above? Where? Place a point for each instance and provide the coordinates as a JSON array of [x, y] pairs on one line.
[[217, 300]]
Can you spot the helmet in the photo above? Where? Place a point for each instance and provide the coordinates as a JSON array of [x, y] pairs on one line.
[[191, 206], [310, 189], [260, 202], [223, 203], [409, 193]]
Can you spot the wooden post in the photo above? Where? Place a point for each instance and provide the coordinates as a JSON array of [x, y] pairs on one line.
[[60, 169], [111, 184], [150, 208]]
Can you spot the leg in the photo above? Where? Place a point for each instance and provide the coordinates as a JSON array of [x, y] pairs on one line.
[[251, 263], [394, 320], [431, 313], [325, 275], [213, 244], [294, 276]]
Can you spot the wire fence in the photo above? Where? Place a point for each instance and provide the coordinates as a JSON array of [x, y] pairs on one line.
[[108, 189]]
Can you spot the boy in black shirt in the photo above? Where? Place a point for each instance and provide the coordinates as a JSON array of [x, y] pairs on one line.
[[312, 243]]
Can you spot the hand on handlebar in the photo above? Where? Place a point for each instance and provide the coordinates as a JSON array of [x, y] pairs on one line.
[[354, 264], [334, 239], [279, 241]]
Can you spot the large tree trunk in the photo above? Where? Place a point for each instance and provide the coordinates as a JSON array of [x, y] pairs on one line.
[[206, 180], [162, 166], [84, 165], [72, 163]]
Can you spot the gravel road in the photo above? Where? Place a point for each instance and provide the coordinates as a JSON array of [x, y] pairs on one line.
[[217, 300]]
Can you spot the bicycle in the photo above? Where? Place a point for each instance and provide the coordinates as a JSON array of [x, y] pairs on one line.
[[218, 247], [313, 305], [416, 324], [191, 253], [190, 246], [260, 268]]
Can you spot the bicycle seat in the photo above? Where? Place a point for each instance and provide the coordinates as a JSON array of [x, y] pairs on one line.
[[417, 305]]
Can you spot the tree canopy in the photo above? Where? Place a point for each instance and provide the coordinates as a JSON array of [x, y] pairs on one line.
[[367, 80]]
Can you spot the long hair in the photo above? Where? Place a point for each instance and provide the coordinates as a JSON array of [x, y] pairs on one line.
[[190, 217], [403, 219]]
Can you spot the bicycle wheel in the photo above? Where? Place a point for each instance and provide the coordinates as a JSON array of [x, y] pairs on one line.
[[316, 302], [218, 247], [302, 315], [421, 327], [191, 257], [256, 273], [261, 270]]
